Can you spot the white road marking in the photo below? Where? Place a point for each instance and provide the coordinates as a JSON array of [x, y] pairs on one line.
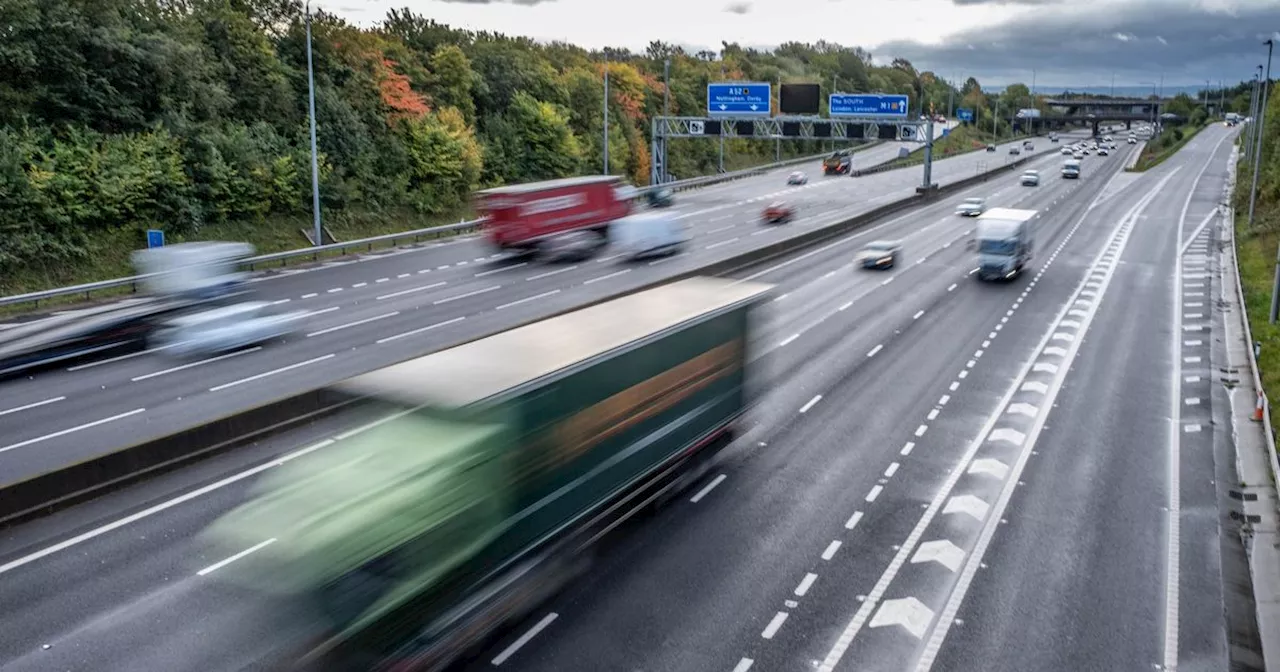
[[743, 665], [358, 285], [65, 432], [921, 430], [810, 404], [606, 277], [32, 405], [403, 292], [953, 286], [335, 290], [789, 339], [875, 350], [907, 448], [503, 269], [524, 639], [310, 296], [550, 273], [853, 520], [942, 401], [419, 330], [357, 323], [967, 504], [774, 625], [270, 373], [893, 469], [219, 565], [709, 487], [528, 298], [907, 612], [845, 306], [832, 548], [874, 492], [466, 295], [940, 551], [955, 385], [933, 414], [721, 243], [917, 315], [194, 364], [112, 360], [381, 280], [806, 583]]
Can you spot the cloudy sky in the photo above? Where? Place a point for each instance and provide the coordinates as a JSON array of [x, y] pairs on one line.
[[1066, 42]]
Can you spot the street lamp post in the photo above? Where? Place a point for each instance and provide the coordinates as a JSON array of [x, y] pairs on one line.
[[606, 114], [311, 114], [666, 108], [1257, 157]]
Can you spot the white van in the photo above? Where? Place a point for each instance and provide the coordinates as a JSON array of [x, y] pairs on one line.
[[648, 233]]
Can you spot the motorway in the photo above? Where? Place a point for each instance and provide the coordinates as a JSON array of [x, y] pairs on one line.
[[939, 473], [368, 312]]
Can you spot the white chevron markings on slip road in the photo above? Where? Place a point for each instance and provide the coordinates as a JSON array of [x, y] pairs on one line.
[[996, 437]]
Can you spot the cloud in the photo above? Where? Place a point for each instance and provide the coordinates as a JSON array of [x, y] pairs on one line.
[[1007, 2], [1083, 43], [738, 8], [526, 3]]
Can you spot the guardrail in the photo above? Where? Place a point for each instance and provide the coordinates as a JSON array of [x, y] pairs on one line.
[[65, 486], [417, 235]]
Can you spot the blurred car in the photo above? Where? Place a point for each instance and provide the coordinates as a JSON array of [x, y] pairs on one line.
[[1078, 155], [991, 148], [797, 177], [1053, 138], [1133, 140], [1066, 151], [1029, 146], [1103, 151], [971, 207], [223, 329], [1030, 178], [572, 246], [880, 254], [779, 213], [660, 198], [1014, 151]]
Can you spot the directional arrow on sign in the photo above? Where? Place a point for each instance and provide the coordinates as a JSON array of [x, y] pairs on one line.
[[942, 552], [967, 504], [724, 107], [754, 108], [987, 466], [908, 612]]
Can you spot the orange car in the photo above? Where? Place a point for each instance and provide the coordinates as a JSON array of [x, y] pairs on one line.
[[779, 213]]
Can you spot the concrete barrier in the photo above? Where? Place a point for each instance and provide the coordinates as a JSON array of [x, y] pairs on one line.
[[94, 477]]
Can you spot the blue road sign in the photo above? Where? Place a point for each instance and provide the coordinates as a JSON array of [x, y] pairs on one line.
[[964, 114], [746, 99], [155, 238], [867, 105], [946, 132]]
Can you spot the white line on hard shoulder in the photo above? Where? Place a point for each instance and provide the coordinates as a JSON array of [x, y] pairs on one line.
[[70, 430], [528, 298], [223, 563], [357, 323], [419, 330], [271, 373], [31, 405], [194, 364], [524, 639], [708, 488]]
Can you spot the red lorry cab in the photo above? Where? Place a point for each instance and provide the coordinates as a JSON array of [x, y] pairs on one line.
[[517, 216]]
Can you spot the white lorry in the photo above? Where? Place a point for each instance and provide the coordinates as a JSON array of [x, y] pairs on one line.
[[1004, 240], [1071, 169]]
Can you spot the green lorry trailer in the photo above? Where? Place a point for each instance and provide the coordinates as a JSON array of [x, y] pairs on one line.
[[488, 471]]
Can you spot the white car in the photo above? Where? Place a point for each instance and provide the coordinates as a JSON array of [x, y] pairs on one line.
[[1103, 151], [1133, 140], [1030, 178], [1078, 156], [223, 329], [1066, 151], [797, 177], [971, 207]]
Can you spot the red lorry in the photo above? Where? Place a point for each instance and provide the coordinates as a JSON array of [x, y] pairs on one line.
[[520, 216]]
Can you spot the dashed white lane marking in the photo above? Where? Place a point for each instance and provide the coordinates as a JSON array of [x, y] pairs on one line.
[[721, 243], [874, 492], [917, 315], [419, 330], [550, 273], [891, 470], [805, 584], [357, 323], [272, 372], [708, 488], [875, 350], [907, 448], [810, 404], [466, 295], [774, 625], [190, 365], [832, 548], [528, 299], [412, 290], [933, 414], [502, 270], [335, 290], [606, 277], [31, 405], [921, 430], [952, 287], [955, 385], [743, 665], [312, 295], [853, 520], [524, 639], [71, 430], [223, 563], [382, 280]]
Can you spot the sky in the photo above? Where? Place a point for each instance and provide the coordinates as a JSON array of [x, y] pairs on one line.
[[1056, 43]]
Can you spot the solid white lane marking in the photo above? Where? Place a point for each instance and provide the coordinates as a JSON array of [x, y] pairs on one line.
[[524, 639], [774, 625], [412, 290], [194, 364], [357, 323], [528, 298], [875, 350], [708, 488], [31, 405], [606, 277], [419, 330], [270, 373], [832, 548], [466, 295], [789, 339], [503, 269], [853, 520], [806, 583], [65, 432], [219, 565], [550, 273], [810, 404]]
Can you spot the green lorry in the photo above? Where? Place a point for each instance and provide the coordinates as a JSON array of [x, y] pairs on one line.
[[487, 471]]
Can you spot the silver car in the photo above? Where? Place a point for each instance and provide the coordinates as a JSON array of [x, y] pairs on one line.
[[971, 207], [1030, 178], [223, 329]]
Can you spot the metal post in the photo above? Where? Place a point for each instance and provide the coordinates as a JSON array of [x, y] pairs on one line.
[[951, 101], [606, 113], [721, 167], [666, 112], [777, 146], [1253, 114], [315, 162], [928, 155], [1257, 160], [1113, 85]]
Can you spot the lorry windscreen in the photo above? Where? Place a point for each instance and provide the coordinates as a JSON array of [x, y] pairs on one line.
[[1000, 247]]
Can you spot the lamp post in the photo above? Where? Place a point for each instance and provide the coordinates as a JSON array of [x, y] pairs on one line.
[[311, 114], [606, 113]]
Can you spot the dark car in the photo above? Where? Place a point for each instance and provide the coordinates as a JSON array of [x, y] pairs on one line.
[[660, 198], [880, 254], [991, 148]]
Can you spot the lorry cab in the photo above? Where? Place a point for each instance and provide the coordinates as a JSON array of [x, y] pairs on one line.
[[1004, 241]]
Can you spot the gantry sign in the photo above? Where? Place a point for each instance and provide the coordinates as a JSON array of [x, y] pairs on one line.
[[743, 110]]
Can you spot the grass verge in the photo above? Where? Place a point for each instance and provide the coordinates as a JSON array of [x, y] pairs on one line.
[[1256, 255], [1156, 151]]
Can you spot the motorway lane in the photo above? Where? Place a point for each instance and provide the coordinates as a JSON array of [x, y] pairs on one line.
[[122, 598], [101, 407]]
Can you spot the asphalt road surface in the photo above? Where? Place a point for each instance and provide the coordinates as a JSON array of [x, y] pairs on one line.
[[370, 312], [940, 473]]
